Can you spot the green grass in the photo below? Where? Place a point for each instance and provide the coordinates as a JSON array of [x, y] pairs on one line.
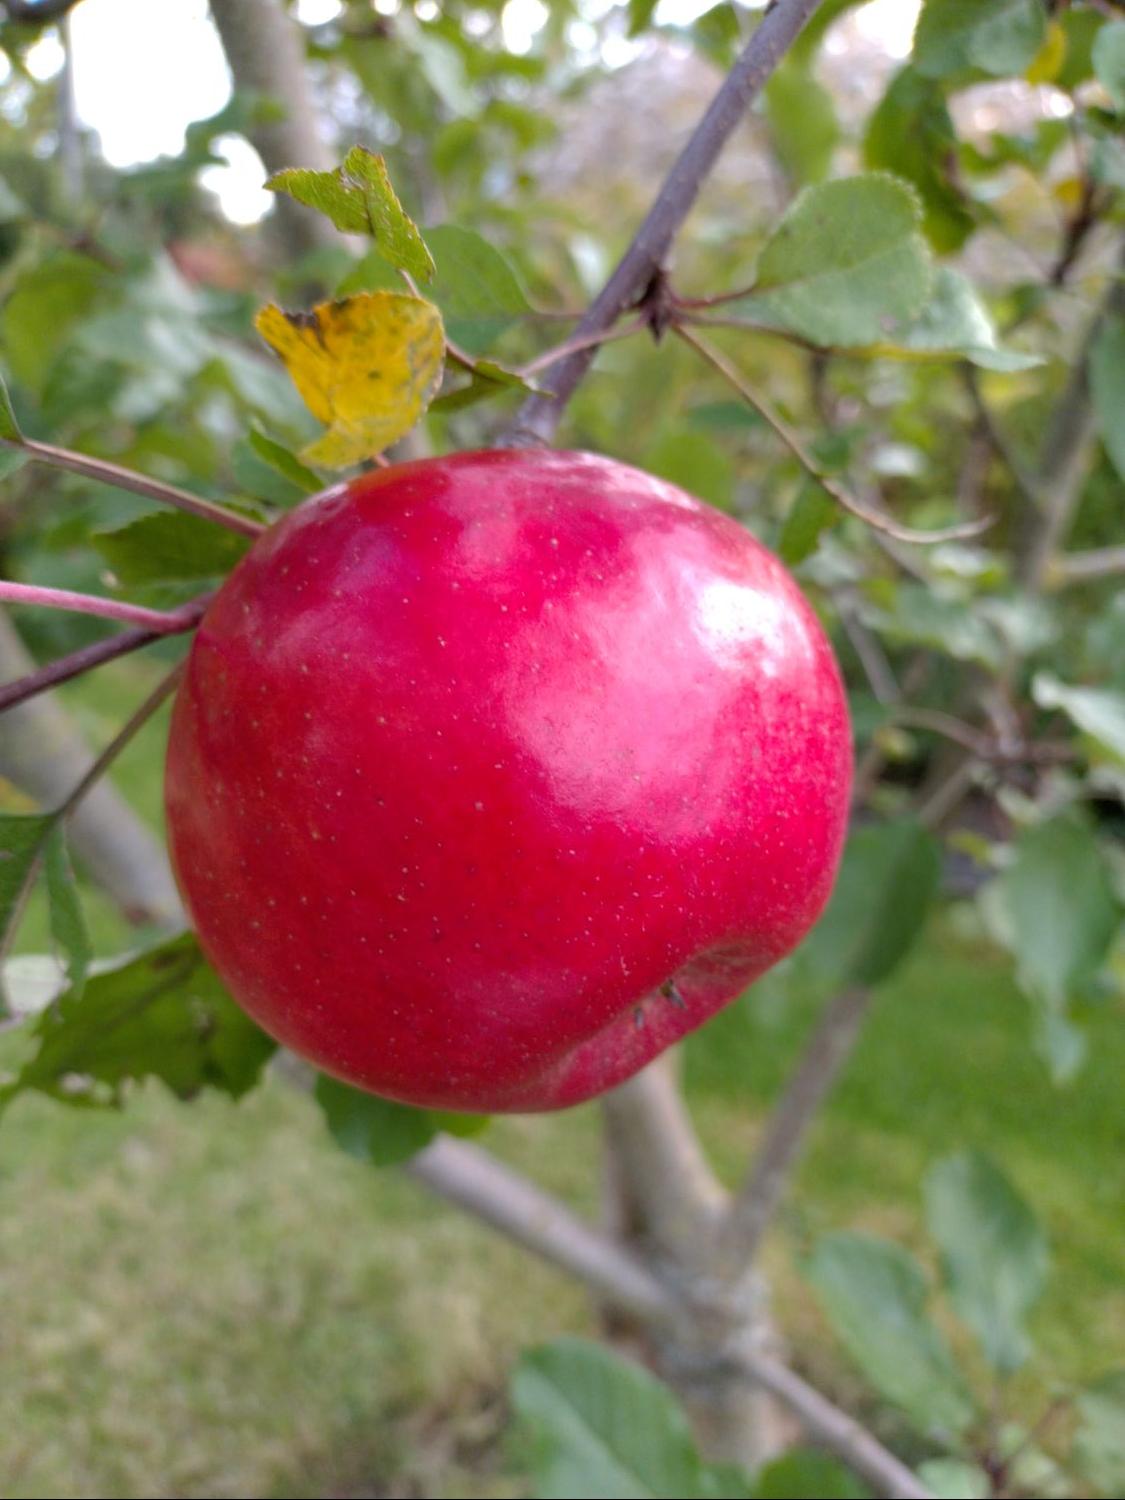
[[213, 1300]]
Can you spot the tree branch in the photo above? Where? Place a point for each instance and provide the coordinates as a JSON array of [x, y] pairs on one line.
[[539, 416], [753, 1209], [485, 1188], [1063, 462], [839, 1433], [873, 518], [1083, 567], [136, 722]]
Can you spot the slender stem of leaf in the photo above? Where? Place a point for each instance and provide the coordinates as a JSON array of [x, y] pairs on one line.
[[161, 622], [140, 484], [872, 518], [164, 689], [539, 416], [85, 659]]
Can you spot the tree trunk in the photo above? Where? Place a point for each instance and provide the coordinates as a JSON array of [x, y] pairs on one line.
[[664, 1203], [266, 57]]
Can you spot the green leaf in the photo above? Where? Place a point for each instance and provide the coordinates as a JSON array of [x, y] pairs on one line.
[[370, 273], [696, 463], [1000, 37], [915, 615], [1107, 383], [639, 15], [1081, 28], [993, 1251], [954, 1479], [287, 464], [1098, 712], [163, 1014], [804, 1471], [169, 547], [21, 843], [883, 894], [371, 1129], [808, 41], [802, 121], [1059, 898], [1099, 1445], [474, 286], [813, 511], [955, 325], [910, 133], [68, 927], [44, 306], [875, 1296], [9, 427], [1108, 57], [846, 265], [359, 199], [604, 1429], [1058, 915]]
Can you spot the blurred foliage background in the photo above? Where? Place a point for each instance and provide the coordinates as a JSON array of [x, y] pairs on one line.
[[213, 1301]]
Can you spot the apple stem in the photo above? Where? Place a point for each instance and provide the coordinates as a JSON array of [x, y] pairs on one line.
[[873, 518], [156, 621], [140, 484]]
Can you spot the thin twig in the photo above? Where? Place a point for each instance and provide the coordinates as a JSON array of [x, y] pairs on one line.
[[1084, 567], [140, 484], [84, 659], [752, 325], [539, 415], [1024, 478], [164, 689], [757, 1202], [485, 1188], [587, 341], [158, 621], [839, 1433], [872, 518]]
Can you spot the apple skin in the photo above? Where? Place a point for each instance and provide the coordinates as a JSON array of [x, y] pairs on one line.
[[473, 755]]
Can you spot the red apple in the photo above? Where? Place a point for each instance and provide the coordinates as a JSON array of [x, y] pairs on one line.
[[493, 775]]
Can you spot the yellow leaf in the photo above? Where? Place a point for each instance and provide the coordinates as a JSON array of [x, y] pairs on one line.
[[367, 367]]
